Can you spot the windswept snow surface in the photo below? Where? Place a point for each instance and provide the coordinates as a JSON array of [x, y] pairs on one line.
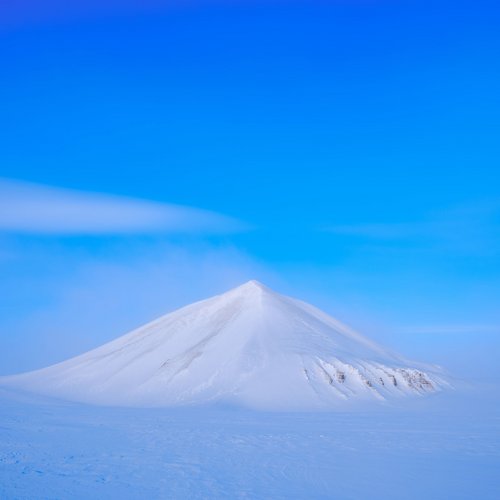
[[250, 347], [438, 448]]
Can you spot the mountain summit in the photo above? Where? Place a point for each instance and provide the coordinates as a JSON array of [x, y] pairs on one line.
[[249, 346]]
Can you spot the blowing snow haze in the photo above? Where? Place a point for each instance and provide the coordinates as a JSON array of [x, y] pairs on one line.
[[249, 346]]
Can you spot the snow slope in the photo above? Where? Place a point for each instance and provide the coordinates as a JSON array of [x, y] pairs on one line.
[[250, 347]]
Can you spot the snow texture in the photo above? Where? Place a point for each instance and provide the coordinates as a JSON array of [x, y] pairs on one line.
[[248, 347], [439, 448]]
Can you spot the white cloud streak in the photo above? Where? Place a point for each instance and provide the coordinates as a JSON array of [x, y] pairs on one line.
[[33, 208], [470, 229], [453, 329]]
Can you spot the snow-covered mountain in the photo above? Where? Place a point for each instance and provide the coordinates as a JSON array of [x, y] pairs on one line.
[[249, 346]]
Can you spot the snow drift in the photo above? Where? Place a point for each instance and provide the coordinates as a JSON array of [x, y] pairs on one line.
[[249, 346]]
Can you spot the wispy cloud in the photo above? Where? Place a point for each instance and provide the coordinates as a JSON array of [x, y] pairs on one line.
[[453, 329], [33, 208], [468, 229]]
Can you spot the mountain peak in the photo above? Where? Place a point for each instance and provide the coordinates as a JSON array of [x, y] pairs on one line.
[[252, 285]]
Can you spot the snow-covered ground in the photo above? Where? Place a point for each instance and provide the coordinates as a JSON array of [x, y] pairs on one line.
[[445, 446]]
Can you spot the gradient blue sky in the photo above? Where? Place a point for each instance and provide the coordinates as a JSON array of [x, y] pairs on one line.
[[346, 152]]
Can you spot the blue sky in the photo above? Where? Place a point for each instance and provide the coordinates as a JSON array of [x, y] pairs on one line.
[[344, 152]]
